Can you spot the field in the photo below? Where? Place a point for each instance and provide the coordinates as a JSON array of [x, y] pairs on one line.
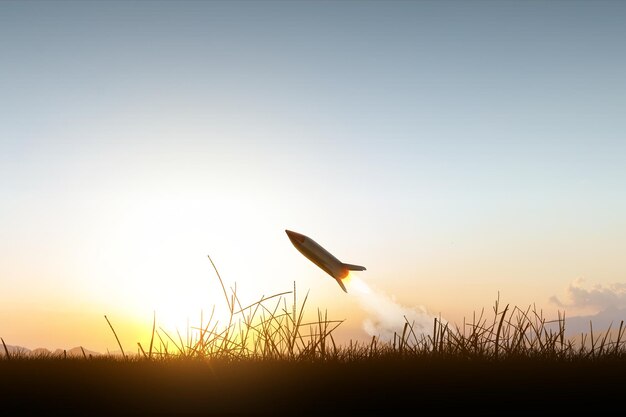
[[268, 360], [423, 385]]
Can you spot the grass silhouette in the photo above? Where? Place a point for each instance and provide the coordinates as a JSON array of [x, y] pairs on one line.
[[267, 359], [271, 329]]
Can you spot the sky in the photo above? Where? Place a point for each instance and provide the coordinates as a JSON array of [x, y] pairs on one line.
[[460, 151]]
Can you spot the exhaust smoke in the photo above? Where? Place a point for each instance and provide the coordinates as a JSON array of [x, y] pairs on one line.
[[385, 315]]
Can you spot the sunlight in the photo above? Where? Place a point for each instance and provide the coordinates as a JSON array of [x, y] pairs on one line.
[[154, 256]]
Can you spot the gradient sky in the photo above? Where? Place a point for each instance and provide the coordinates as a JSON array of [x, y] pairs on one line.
[[456, 149]]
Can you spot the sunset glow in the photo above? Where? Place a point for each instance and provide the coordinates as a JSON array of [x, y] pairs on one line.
[[459, 153]]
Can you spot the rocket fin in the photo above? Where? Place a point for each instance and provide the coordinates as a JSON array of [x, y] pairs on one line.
[[343, 287], [354, 267]]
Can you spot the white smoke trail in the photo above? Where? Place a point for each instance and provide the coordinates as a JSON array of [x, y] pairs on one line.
[[386, 316]]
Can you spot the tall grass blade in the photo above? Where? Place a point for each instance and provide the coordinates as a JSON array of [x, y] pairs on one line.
[[6, 350], [230, 308], [116, 338], [152, 337]]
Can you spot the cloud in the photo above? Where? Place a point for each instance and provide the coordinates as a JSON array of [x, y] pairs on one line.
[[598, 296]]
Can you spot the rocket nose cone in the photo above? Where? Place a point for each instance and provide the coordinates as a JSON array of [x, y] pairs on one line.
[[295, 237]]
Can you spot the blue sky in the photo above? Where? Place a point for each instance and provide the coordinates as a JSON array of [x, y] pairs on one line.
[[456, 149]]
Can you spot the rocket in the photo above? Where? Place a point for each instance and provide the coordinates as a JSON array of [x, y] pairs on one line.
[[322, 258]]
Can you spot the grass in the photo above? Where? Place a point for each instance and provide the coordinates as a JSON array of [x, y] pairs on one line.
[[268, 359], [270, 329]]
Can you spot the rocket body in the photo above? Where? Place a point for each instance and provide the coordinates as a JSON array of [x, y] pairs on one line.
[[322, 258]]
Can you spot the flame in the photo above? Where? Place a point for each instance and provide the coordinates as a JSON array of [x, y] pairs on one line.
[[356, 283]]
